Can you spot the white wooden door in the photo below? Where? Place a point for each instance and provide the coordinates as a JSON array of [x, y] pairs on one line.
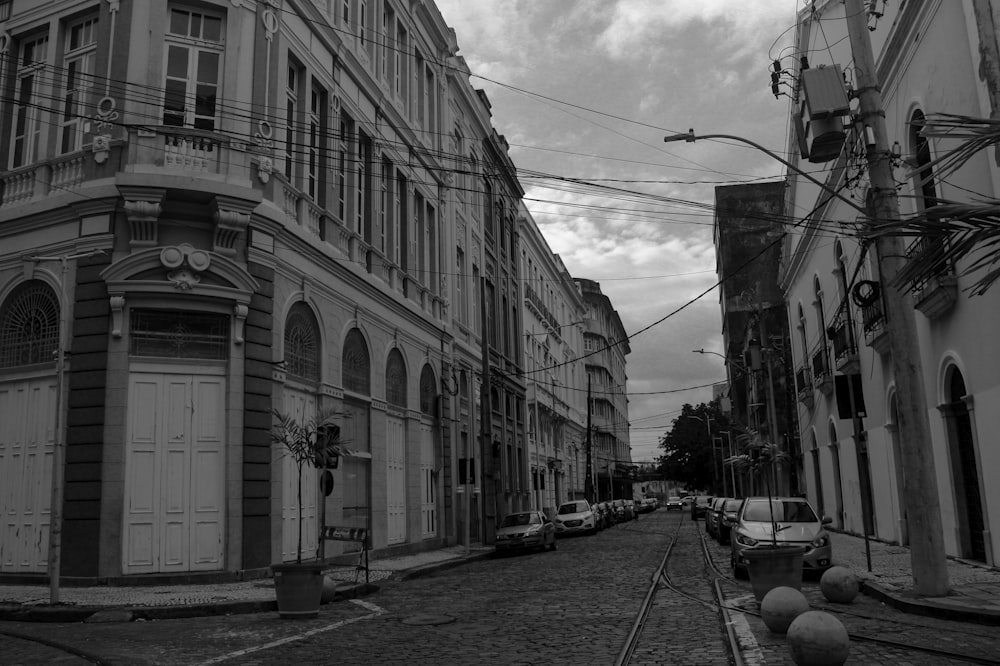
[[175, 473], [395, 454], [428, 482], [302, 406], [27, 430]]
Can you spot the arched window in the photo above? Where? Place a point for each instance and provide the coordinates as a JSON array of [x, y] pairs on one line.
[[302, 343], [428, 390], [356, 364], [395, 379], [29, 326], [923, 183]]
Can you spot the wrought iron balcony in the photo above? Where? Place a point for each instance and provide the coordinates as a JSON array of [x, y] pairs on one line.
[[821, 373], [935, 295], [841, 333], [873, 324], [804, 386]]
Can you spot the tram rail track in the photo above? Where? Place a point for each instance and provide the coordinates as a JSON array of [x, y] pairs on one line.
[[738, 634]]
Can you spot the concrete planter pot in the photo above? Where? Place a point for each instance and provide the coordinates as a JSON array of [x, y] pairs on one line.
[[298, 588], [774, 567]]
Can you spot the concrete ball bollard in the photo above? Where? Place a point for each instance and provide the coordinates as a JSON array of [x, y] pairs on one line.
[[781, 606], [839, 585], [329, 590], [818, 639]]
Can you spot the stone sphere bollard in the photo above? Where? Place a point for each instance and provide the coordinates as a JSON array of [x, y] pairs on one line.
[[839, 585], [329, 590], [780, 606], [818, 639]]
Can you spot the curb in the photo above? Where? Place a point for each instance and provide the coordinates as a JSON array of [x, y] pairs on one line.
[[434, 567], [929, 607], [94, 614]]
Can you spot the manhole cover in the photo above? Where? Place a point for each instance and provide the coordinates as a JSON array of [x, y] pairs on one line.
[[428, 620]]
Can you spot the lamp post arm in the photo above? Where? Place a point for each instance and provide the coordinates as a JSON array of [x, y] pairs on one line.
[[691, 138]]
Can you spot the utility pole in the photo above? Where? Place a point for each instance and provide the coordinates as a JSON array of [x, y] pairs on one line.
[[588, 483], [920, 492], [491, 488]]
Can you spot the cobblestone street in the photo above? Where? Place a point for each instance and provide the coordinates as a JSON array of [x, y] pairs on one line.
[[575, 605]]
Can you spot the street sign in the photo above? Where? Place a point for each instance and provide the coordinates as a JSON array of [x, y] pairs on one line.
[[334, 533]]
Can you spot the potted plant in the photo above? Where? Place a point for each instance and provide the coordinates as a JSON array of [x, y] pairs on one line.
[[312, 445], [776, 564]]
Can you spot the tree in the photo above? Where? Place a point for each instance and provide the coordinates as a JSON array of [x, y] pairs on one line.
[[687, 451]]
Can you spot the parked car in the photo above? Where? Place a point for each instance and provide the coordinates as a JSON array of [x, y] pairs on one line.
[[611, 512], [525, 530], [727, 519], [575, 516], [687, 499], [634, 506], [699, 505], [712, 514], [647, 505], [791, 520], [675, 503]]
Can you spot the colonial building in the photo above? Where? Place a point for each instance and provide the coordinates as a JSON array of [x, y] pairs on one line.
[[932, 58], [210, 211], [605, 346], [553, 319]]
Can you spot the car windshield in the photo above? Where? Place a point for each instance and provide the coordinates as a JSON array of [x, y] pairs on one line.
[[515, 519], [785, 511], [673, 499], [732, 505], [573, 507]]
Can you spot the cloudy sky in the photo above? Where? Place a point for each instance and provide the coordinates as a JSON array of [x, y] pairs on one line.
[[587, 89]]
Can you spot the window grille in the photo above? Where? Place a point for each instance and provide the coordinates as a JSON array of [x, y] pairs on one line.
[[29, 328], [428, 390], [395, 379], [301, 353], [356, 364], [179, 334]]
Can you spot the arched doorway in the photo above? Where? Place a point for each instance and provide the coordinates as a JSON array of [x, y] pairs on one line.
[[395, 447], [302, 375], [964, 468], [428, 452], [356, 369], [838, 487], [29, 340]]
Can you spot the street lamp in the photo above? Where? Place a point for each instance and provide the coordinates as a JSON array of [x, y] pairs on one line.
[[690, 137]]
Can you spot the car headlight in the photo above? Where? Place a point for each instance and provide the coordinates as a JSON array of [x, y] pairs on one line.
[[820, 541], [744, 540]]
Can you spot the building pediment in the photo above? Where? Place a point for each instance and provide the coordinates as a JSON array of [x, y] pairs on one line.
[[180, 269]]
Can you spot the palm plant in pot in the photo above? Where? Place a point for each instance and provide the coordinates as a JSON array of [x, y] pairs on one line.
[[312, 446], [770, 561]]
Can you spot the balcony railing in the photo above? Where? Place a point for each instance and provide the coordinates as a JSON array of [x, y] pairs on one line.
[[934, 295], [873, 324], [845, 351], [822, 376], [804, 386], [536, 303]]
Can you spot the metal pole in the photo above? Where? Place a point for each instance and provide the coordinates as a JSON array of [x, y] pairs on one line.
[[58, 440], [58, 455]]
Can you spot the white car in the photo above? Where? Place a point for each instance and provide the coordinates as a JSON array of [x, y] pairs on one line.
[[575, 516]]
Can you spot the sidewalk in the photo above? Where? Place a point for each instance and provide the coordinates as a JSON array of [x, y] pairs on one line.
[[30, 603], [975, 588]]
